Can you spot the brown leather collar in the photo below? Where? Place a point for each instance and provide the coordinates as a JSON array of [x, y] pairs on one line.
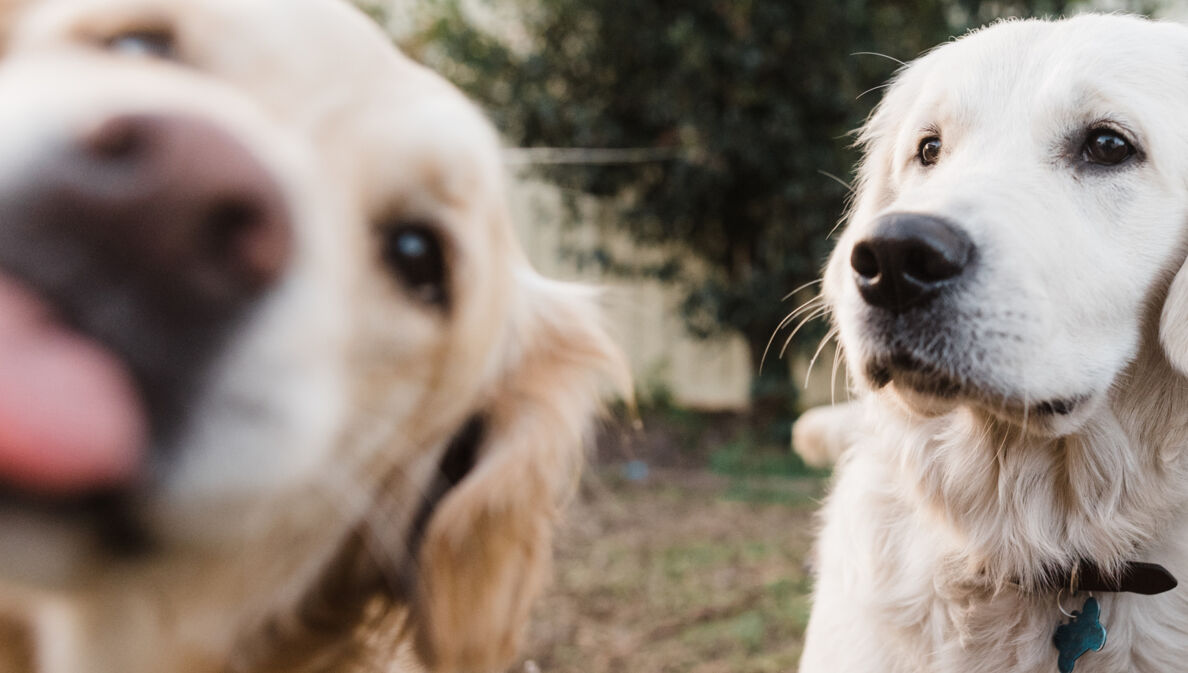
[[1136, 577]]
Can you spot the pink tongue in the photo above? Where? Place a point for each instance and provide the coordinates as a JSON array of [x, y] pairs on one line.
[[70, 418]]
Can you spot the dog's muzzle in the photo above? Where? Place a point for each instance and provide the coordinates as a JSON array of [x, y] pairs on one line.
[[128, 251]]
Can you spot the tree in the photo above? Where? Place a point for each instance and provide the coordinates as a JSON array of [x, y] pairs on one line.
[[741, 110]]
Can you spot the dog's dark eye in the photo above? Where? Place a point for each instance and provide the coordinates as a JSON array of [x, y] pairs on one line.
[[145, 42], [929, 150], [1107, 147], [414, 254]]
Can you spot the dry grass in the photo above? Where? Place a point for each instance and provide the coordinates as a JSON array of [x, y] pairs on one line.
[[687, 572]]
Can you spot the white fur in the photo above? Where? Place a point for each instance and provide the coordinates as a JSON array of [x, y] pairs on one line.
[[947, 514]]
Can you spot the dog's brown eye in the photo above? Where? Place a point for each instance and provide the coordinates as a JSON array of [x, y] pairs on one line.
[[146, 42], [929, 150], [414, 253], [1107, 148]]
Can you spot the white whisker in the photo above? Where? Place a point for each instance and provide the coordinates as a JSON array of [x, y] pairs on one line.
[[820, 347], [875, 53], [821, 311], [831, 176], [802, 287], [840, 221], [836, 367], [815, 303], [871, 90]]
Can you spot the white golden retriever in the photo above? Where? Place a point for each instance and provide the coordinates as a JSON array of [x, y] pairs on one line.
[[278, 390], [1005, 296]]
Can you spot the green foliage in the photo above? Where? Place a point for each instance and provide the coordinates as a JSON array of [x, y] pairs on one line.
[[376, 9], [744, 105]]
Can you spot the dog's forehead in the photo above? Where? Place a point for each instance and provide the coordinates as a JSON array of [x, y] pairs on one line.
[[314, 57], [1088, 65], [389, 125], [244, 25]]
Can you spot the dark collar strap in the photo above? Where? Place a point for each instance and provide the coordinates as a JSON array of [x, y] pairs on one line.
[[1136, 577], [458, 460]]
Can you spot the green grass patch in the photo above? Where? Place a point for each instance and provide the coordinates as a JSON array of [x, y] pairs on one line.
[[790, 492], [743, 457]]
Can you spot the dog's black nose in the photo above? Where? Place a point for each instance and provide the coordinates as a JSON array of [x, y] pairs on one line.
[[180, 199], [908, 259]]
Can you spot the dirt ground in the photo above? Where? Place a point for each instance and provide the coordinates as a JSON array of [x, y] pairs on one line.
[[685, 571]]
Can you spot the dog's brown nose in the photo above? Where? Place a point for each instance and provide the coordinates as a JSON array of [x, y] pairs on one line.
[[153, 236], [908, 260], [179, 199]]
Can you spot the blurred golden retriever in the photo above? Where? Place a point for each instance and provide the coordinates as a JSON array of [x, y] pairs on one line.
[[278, 389], [1005, 298]]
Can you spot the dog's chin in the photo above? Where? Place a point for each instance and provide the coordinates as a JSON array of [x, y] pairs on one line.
[[923, 389], [58, 546], [64, 543]]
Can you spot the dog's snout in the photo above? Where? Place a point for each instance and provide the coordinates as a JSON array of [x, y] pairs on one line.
[[908, 259], [180, 198], [150, 237]]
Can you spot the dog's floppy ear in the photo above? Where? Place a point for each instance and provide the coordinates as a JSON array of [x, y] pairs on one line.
[[1173, 323], [487, 546], [482, 537]]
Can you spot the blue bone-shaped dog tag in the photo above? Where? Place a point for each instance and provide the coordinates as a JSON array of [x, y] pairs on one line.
[[1080, 635]]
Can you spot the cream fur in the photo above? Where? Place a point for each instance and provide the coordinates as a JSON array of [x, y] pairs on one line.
[[821, 435], [947, 514], [283, 523]]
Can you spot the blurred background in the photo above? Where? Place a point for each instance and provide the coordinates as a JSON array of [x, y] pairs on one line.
[[694, 157]]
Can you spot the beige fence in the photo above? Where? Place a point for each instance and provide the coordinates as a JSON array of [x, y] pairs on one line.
[[644, 315]]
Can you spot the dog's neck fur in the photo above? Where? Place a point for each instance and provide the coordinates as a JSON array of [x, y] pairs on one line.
[[1026, 508]]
